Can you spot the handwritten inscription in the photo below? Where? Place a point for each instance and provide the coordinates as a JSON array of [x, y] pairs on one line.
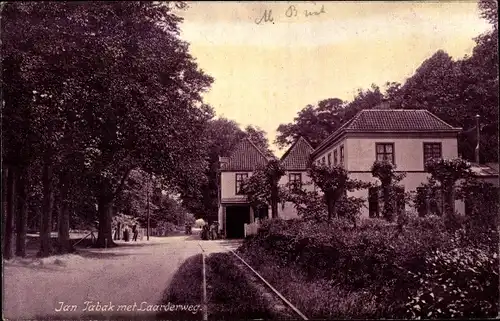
[[266, 17], [291, 12]]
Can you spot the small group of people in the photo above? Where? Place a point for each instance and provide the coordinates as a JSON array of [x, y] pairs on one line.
[[135, 234], [210, 232]]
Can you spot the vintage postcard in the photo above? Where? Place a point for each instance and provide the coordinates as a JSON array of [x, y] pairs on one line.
[[209, 160]]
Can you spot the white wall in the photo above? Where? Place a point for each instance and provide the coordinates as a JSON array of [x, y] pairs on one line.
[[410, 183], [228, 185], [289, 211], [360, 154], [409, 152], [330, 150]]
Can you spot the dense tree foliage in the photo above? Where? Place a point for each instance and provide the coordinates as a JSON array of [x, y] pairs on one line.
[[111, 88], [222, 137], [334, 182], [262, 187], [454, 90]]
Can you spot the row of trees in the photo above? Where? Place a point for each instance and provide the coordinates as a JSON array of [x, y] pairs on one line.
[[102, 106], [454, 90], [92, 92]]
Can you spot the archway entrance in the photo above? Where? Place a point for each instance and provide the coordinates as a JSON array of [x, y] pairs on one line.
[[236, 217]]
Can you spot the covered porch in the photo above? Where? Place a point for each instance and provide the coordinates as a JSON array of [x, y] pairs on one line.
[[234, 214]]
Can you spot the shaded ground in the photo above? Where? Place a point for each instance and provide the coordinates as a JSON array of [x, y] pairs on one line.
[[184, 297], [137, 280], [130, 274], [230, 296]]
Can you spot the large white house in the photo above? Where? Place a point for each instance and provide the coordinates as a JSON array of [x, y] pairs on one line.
[[405, 137]]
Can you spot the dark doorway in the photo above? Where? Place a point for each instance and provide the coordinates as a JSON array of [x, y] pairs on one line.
[[236, 217]]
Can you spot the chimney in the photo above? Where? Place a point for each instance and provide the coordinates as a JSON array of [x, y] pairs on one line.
[[223, 161], [478, 138]]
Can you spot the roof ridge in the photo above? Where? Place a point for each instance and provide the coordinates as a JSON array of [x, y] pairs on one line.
[[295, 143], [308, 144], [285, 154], [258, 149], [344, 126], [439, 119]]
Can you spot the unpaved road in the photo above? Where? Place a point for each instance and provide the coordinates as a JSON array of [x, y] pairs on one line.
[[130, 274]]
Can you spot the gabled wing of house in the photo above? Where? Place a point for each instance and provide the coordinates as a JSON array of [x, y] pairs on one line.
[[234, 209], [297, 157], [245, 157], [390, 121]]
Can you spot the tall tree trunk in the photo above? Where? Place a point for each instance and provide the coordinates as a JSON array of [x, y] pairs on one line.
[[4, 202], [63, 228], [388, 208], [330, 206], [105, 237], [22, 212], [63, 216], [9, 219], [274, 201], [47, 208]]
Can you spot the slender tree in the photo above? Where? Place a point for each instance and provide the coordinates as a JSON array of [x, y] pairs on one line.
[[262, 187], [447, 172], [334, 182], [385, 171]]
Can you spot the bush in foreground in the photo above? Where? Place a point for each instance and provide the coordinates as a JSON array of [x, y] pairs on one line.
[[392, 268]]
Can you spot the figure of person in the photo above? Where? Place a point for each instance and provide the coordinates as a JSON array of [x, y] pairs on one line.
[[214, 229], [135, 231], [205, 232], [126, 235]]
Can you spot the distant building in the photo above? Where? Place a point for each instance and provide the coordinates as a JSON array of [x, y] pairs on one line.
[[295, 160], [234, 209], [407, 138]]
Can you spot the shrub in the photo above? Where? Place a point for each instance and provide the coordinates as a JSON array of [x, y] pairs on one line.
[[482, 200], [462, 282], [354, 256], [390, 263]]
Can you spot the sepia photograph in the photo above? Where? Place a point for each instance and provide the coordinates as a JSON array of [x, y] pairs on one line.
[[250, 160]]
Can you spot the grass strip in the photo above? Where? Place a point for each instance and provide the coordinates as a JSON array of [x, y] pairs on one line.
[[230, 295], [185, 291]]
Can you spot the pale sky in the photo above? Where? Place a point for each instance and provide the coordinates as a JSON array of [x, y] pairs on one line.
[[265, 73]]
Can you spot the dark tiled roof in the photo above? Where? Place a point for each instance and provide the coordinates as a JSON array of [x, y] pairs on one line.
[[390, 121], [245, 157], [398, 120], [297, 156]]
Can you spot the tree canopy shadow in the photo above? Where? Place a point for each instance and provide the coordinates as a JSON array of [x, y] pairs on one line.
[[185, 290]]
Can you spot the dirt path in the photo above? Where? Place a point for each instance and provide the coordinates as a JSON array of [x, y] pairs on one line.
[[127, 275]]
